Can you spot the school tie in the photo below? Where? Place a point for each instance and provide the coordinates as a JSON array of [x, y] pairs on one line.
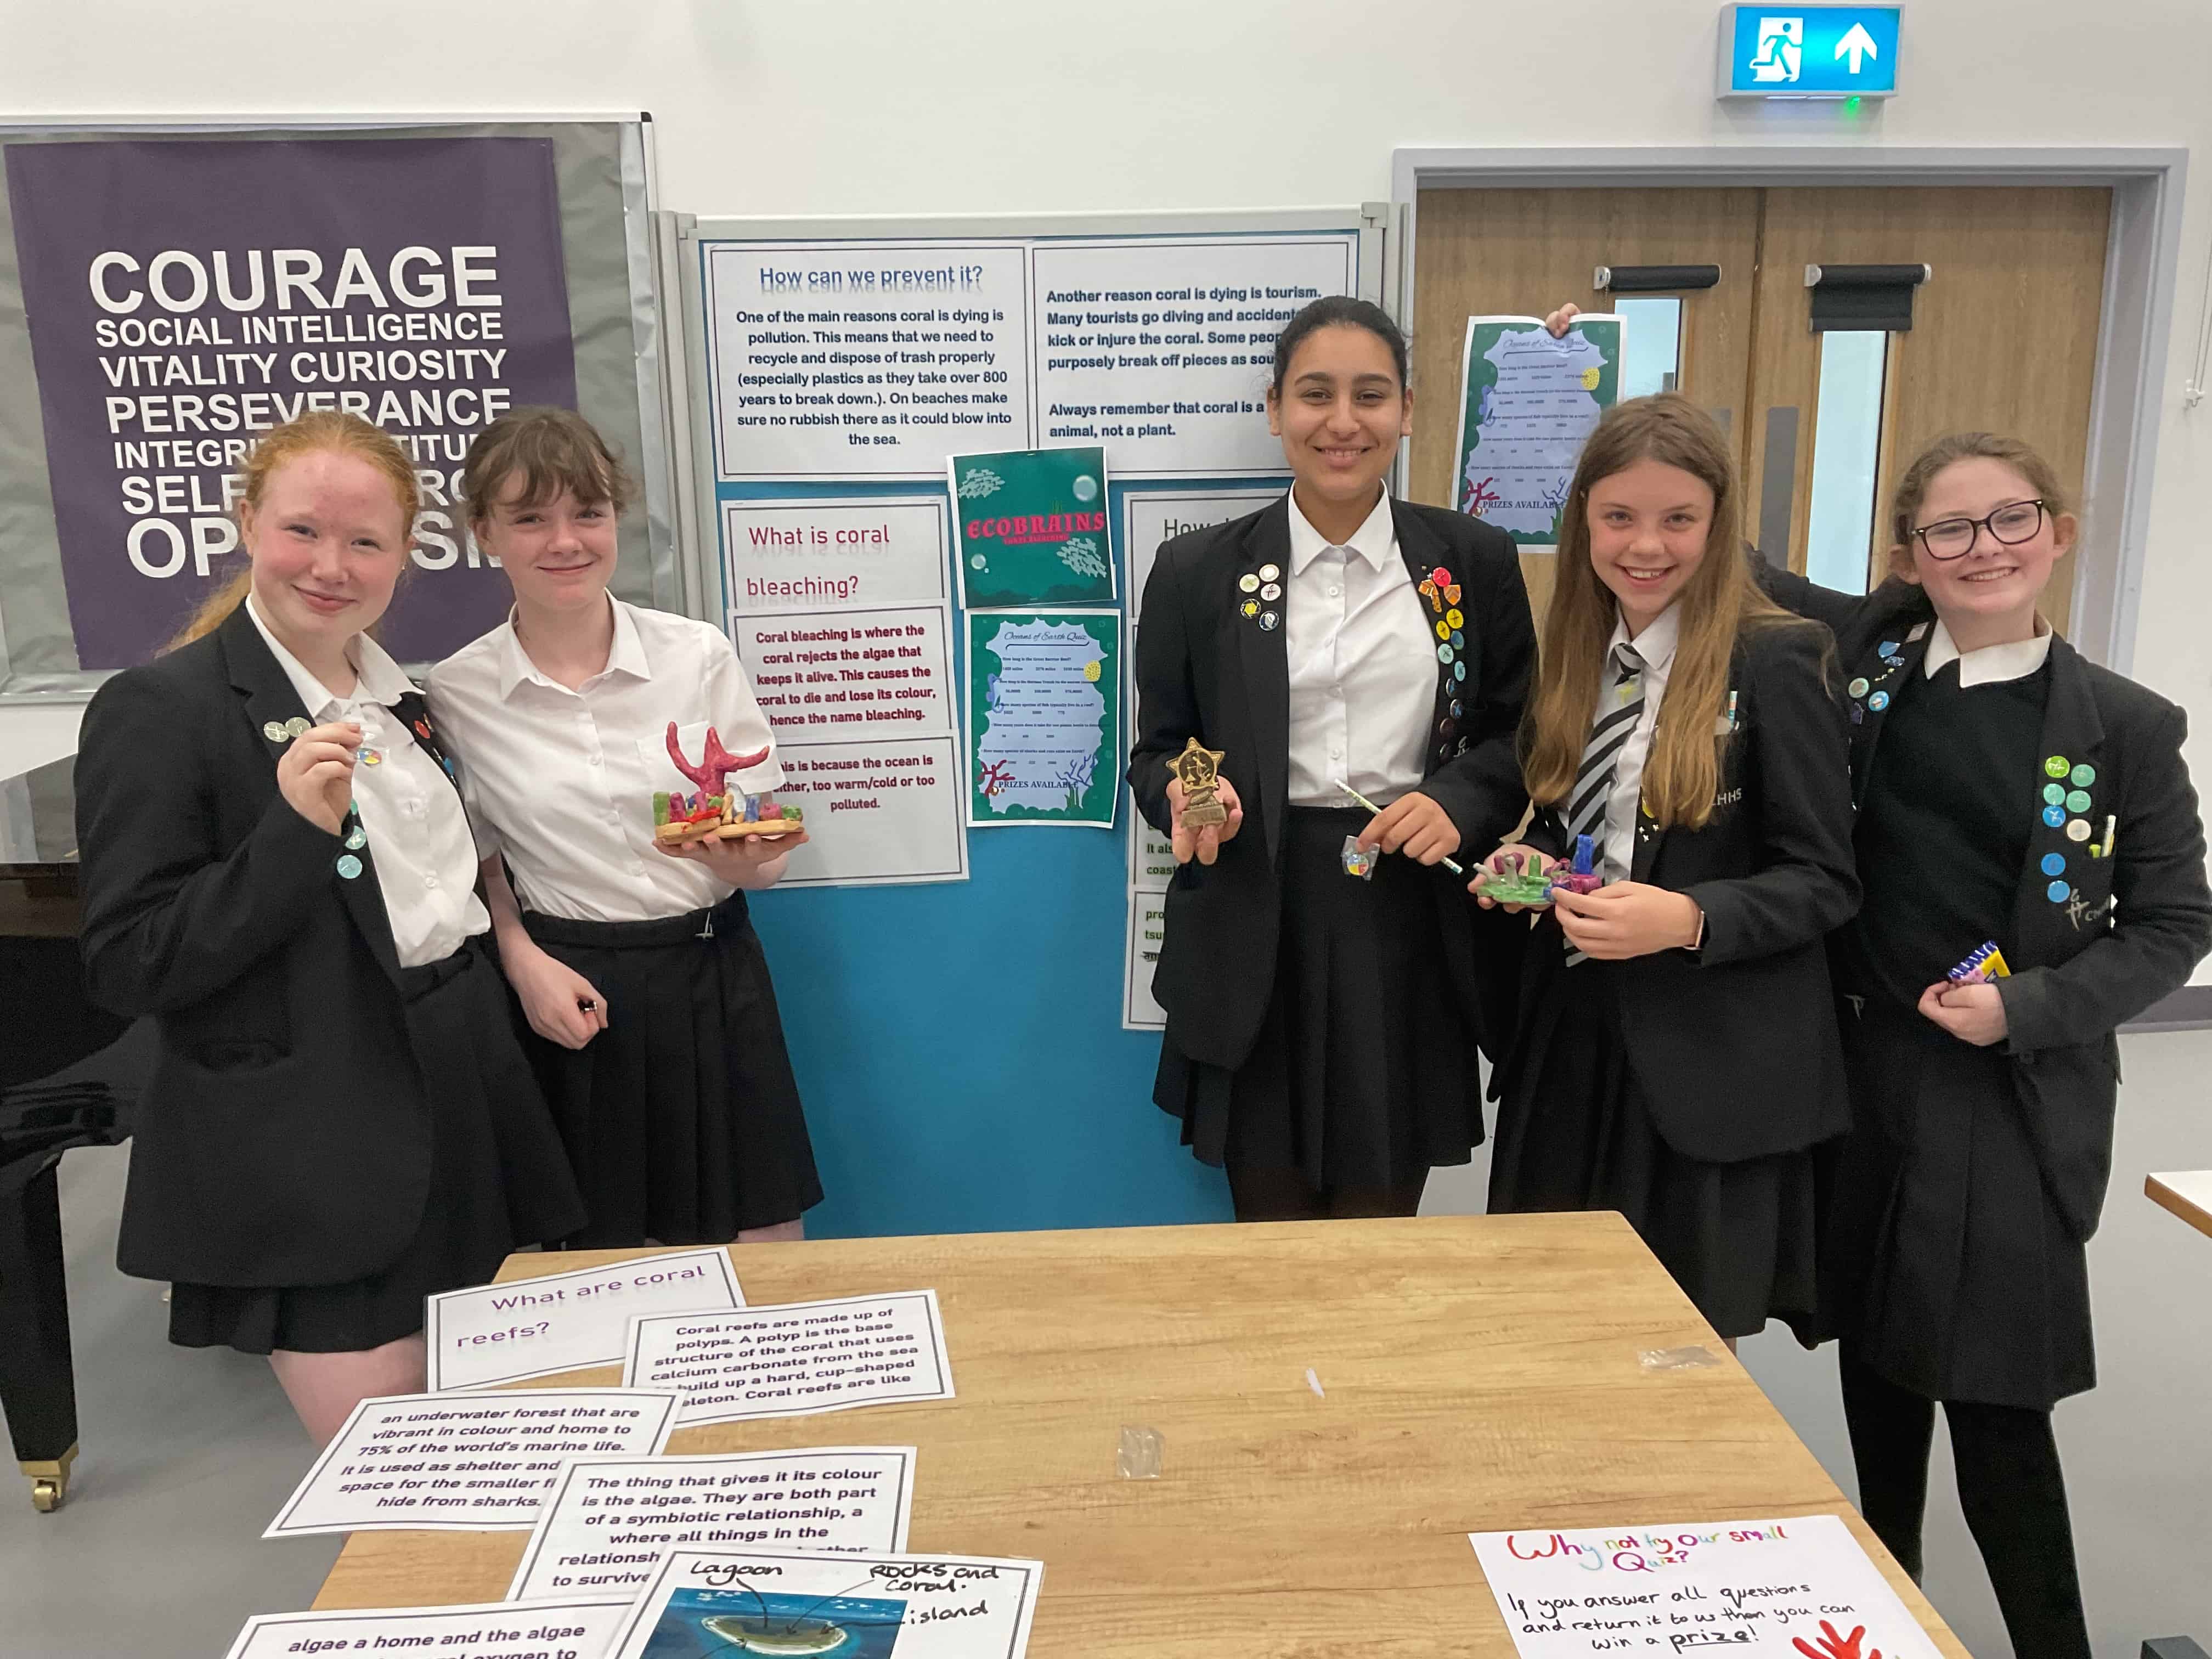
[[1610, 731]]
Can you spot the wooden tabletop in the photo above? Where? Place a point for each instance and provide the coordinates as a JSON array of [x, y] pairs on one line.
[[2187, 1193], [1480, 1373]]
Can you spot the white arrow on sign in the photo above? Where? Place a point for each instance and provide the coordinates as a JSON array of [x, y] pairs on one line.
[[1859, 44]]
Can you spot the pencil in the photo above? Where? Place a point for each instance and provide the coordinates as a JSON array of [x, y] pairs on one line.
[[1372, 807]]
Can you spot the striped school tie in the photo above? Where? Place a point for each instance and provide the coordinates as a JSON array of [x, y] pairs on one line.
[[1610, 731]]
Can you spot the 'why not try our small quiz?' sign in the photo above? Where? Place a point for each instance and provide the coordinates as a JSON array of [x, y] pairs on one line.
[[564, 1321]]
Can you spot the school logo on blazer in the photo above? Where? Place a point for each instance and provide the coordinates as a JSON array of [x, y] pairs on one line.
[[1729, 796]]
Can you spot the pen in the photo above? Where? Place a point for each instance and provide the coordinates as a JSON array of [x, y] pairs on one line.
[[1372, 807], [2110, 823]]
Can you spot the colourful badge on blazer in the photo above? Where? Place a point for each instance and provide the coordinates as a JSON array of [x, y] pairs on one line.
[[357, 839], [2078, 801], [348, 867], [275, 732], [2085, 774], [2054, 815], [2078, 829], [1459, 670], [1458, 640], [1879, 701], [1269, 621], [1444, 631], [1271, 592], [2054, 863], [2054, 794], [1428, 589], [1457, 708], [2058, 892], [1249, 582], [2056, 766], [1451, 592], [1887, 648], [1251, 608], [1455, 617], [1443, 653], [1441, 576], [1859, 687], [1269, 573]]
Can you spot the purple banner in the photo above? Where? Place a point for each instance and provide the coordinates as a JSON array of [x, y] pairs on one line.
[[183, 297]]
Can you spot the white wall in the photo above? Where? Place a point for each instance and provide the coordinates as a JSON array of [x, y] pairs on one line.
[[870, 107]]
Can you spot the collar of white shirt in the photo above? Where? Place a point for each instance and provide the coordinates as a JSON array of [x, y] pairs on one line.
[[625, 656], [1374, 541], [1655, 644], [1991, 665], [377, 679]]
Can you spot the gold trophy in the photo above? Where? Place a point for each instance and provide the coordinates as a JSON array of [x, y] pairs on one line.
[[1198, 768]]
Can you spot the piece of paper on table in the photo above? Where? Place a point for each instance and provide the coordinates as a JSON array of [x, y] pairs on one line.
[[466, 1462], [584, 1628], [564, 1321], [611, 1519], [1794, 1589], [791, 1360], [933, 1606]]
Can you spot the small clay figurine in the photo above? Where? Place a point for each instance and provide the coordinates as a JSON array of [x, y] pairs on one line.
[[715, 808], [1198, 768], [1527, 885], [1581, 877]]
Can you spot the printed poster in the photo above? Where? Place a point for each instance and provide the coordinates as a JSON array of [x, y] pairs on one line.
[[1044, 721], [1032, 529], [1527, 401]]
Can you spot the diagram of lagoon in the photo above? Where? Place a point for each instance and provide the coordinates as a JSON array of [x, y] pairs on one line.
[[723, 1624]]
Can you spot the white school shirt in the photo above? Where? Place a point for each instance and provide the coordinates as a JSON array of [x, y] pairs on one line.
[[418, 837], [1992, 665], [1656, 645], [1363, 664], [562, 781]]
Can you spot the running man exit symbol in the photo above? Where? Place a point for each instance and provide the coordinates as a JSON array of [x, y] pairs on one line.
[[1781, 49]]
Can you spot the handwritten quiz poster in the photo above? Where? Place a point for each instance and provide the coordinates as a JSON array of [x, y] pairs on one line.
[[1793, 1589]]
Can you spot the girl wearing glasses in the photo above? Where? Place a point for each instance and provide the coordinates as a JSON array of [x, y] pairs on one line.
[[2009, 792]]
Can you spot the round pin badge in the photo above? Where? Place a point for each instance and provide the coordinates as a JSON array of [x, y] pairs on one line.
[[372, 757], [1459, 641], [1857, 688], [1249, 582], [1251, 608], [1269, 573], [2054, 863], [2078, 829], [2057, 766], [1457, 708], [1268, 620], [1440, 576], [1459, 670], [1879, 701], [297, 726], [348, 867], [2058, 892], [2054, 815], [275, 732], [2077, 800], [1443, 630], [2054, 794], [2085, 774], [1443, 653], [358, 839], [1455, 618], [1271, 592]]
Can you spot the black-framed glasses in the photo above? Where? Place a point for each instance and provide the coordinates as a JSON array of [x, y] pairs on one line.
[[1954, 539]]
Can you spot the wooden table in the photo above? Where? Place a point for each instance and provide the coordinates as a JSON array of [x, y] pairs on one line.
[[1480, 1373], [2187, 1193]]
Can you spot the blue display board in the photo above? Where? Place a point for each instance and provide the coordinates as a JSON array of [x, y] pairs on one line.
[[960, 1045]]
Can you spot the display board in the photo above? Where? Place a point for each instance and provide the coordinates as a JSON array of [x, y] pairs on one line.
[[168, 294], [969, 1013]]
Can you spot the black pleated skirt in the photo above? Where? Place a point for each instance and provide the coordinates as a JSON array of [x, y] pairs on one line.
[[499, 1180], [682, 1118], [1575, 1132], [1946, 1266], [1364, 1074]]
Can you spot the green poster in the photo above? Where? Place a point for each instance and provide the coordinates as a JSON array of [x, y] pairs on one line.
[[1029, 529], [1527, 401], [1045, 717]]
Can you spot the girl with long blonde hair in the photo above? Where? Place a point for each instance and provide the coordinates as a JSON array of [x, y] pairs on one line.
[[1676, 1057], [277, 870]]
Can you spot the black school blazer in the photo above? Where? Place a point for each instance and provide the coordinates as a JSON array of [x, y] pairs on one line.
[[2134, 927], [1734, 1044], [1207, 671], [283, 1139]]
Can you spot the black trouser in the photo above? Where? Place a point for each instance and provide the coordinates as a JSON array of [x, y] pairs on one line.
[[2010, 1485]]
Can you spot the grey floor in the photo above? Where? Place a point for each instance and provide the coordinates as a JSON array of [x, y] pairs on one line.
[[187, 1455]]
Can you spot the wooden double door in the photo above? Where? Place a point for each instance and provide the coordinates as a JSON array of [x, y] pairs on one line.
[[2003, 336]]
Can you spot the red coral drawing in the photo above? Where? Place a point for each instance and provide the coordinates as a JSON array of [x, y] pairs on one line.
[[995, 777], [1832, 1646]]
